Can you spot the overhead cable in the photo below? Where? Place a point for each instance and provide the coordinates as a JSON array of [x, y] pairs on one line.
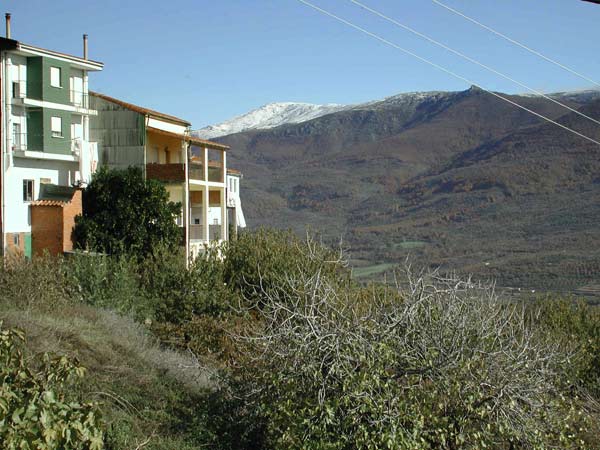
[[471, 60], [443, 69], [517, 43]]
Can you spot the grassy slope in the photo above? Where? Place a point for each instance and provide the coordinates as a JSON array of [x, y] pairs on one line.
[[146, 395]]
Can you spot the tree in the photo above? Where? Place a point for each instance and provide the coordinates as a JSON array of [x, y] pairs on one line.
[[123, 213]]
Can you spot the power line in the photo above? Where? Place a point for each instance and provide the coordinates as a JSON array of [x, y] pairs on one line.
[[443, 69], [471, 60], [517, 43]]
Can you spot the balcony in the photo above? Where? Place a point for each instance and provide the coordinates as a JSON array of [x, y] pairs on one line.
[[19, 89], [79, 98], [19, 142], [197, 233], [169, 173]]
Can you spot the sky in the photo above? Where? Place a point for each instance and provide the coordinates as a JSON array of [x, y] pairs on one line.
[[209, 60]]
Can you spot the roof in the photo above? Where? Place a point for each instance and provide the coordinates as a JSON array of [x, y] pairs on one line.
[[49, 203], [11, 44], [54, 195], [141, 109], [191, 139]]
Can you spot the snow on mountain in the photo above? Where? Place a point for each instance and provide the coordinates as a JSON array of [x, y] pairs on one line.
[[269, 116], [277, 114]]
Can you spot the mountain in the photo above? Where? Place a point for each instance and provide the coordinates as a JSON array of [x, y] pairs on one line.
[[460, 180], [268, 116]]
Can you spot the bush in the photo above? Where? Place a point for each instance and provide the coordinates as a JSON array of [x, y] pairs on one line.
[[34, 408], [110, 282], [125, 214], [574, 323], [440, 363], [260, 259]]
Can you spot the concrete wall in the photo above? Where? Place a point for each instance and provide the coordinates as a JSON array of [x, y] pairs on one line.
[[17, 211]]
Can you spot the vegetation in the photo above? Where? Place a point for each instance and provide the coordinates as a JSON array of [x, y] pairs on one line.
[[125, 214], [276, 346], [35, 412]]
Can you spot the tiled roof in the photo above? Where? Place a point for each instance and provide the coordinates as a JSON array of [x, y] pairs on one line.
[[54, 195], [50, 203], [191, 139], [141, 109]]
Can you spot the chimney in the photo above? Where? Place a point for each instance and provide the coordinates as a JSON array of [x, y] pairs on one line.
[[7, 25], [85, 46]]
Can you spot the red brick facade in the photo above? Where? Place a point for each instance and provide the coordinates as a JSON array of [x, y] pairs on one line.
[[52, 224]]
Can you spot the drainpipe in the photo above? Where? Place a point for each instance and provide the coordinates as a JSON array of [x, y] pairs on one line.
[[7, 25], [2, 150], [186, 203]]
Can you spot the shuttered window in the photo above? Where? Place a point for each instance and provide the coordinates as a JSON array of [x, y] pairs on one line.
[[56, 126], [55, 77]]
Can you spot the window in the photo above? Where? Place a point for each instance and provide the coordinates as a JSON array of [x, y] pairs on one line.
[[55, 76], [16, 240], [27, 190], [16, 136], [56, 126]]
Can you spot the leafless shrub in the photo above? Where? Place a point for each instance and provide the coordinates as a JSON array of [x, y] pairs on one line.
[[437, 361]]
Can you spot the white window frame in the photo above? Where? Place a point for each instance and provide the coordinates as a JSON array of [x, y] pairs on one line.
[[55, 77], [56, 126], [28, 194]]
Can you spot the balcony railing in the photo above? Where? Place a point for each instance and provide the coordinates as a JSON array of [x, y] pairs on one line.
[[166, 172], [197, 233], [79, 98], [19, 89], [19, 142]]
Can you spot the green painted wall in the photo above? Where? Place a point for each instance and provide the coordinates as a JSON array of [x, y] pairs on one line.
[[55, 94], [35, 78], [35, 130], [52, 144], [38, 80]]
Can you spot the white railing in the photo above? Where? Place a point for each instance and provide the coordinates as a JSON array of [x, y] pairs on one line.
[[197, 233]]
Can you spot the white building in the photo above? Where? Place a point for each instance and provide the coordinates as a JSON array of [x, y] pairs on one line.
[[44, 130]]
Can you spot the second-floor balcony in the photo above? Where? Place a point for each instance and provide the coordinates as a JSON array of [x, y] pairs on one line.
[[79, 98], [166, 172], [19, 142]]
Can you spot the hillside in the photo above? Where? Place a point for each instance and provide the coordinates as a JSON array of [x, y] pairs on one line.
[[460, 179]]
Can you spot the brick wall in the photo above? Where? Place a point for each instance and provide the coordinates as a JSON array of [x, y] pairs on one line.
[[46, 230], [52, 226], [11, 248], [70, 211]]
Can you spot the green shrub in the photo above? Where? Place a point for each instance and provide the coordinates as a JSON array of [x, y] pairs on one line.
[[35, 412], [125, 214], [574, 323], [110, 282], [39, 282], [259, 260], [180, 293]]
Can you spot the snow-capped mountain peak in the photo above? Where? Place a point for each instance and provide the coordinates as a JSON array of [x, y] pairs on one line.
[[269, 116]]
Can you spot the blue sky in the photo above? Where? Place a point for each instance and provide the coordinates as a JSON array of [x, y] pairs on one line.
[[207, 61]]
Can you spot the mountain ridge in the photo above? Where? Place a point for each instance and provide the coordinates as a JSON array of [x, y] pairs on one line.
[[463, 177]]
